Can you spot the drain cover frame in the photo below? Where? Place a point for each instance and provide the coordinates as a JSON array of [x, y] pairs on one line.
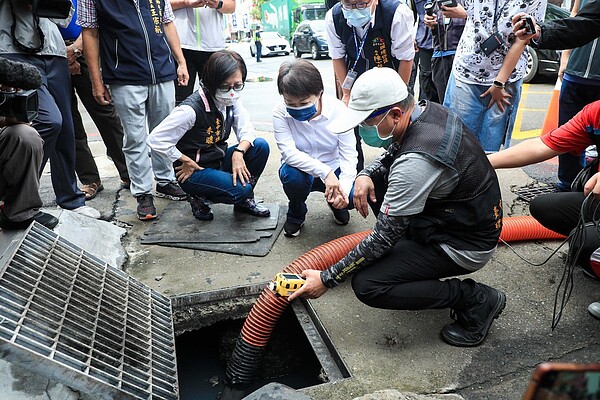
[[60, 316]]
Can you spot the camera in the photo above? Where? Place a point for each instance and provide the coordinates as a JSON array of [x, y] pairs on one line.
[[447, 3], [21, 105], [428, 8], [528, 24]]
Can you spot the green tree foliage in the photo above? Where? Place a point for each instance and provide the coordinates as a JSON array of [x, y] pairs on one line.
[[255, 13]]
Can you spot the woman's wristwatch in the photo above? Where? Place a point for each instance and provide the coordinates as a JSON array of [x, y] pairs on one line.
[[499, 85], [239, 150]]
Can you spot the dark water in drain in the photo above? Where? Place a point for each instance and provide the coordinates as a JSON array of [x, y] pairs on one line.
[[202, 358]]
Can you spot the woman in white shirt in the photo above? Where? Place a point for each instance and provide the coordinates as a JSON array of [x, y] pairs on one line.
[[312, 157], [194, 136]]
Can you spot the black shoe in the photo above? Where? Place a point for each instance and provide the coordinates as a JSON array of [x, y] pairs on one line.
[[43, 218], [473, 320], [170, 191], [249, 206], [200, 209], [292, 229], [340, 217], [145, 207]]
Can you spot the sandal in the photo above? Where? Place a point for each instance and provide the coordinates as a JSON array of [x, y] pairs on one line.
[[92, 190]]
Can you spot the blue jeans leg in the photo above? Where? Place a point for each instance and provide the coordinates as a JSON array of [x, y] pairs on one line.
[[491, 126]]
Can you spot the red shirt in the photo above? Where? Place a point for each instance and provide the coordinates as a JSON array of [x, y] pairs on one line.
[[573, 137]]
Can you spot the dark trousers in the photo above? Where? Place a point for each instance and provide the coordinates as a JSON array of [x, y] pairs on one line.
[[195, 61], [21, 153], [560, 212], [408, 278], [54, 123], [441, 68], [413, 74], [258, 50], [108, 123], [427, 89], [573, 97]]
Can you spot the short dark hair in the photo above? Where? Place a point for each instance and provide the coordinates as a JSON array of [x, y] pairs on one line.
[[408, 102], [220, 66], [299, 78]]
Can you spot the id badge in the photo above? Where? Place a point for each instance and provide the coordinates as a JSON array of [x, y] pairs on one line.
[[490, 44], [349, 81]]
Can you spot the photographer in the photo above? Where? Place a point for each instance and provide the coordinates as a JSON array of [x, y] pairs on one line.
[[26, 36], [20, 156]]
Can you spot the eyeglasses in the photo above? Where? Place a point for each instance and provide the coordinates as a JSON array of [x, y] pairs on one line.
[[358, 6], [226, 88]]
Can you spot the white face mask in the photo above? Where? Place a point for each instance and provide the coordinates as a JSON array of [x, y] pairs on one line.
[[228, 98]]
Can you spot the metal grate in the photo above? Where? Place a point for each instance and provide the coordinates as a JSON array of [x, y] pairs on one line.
[[528, 193], [70, 316]]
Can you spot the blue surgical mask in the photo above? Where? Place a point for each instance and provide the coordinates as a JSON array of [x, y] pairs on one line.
[[371, 137], [357, 18], [303, 113]]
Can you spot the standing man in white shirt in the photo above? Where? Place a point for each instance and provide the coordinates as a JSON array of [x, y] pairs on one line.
[[200, 26], [367, 34]]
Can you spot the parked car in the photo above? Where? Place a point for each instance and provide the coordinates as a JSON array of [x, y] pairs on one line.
[[272, 43], [542, 61], [310, 37]]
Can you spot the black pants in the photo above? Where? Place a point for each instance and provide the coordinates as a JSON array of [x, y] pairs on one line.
[[195, 61], [560, 212], [573, 97], [427, 90], [441, 68], [408, 278], [109, 126]]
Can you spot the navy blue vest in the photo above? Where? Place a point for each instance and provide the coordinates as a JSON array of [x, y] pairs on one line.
[[133, 44], [206, 141], [378, 45]]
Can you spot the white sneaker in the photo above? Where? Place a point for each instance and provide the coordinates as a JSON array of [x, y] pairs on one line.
[[594, 309], [87, 211]]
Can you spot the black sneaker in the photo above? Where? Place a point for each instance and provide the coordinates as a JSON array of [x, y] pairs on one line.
[[474, 319], [49, 221], [249, 206], [171, 191], [200, 209], [145, 207], [340, 217], [292, 229]]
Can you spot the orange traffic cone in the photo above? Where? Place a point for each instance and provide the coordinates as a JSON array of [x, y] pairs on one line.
[[551, 120]]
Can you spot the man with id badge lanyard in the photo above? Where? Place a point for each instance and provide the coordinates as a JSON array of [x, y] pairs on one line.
[[363, 34], [485, 85]]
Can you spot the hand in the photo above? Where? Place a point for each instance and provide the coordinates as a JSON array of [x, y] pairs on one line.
[[238, 168], [186, 169], [499, 97], [313, 288], [71, 56], [194, 3], [346, 97], [519, 28], [593, 186], [340, 201], [332, 186], [430, 21], [364, 190], [75, 68], [454, 12], [182, 75], [101, 93]]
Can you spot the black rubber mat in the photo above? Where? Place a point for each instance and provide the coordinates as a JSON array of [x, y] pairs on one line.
[[229, 232]]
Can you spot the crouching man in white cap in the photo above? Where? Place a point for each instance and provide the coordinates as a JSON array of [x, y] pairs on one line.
[[438, 208]]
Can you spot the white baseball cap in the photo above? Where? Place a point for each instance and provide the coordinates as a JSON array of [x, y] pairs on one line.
[[376, 88]]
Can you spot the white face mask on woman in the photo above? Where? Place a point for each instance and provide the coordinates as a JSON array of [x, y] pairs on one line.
[[227, 98]]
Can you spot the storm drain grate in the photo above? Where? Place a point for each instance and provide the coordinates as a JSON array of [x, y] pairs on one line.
[[69, 316], [528, 193]]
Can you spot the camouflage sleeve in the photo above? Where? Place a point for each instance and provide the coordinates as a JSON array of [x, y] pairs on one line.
[[387, 232]]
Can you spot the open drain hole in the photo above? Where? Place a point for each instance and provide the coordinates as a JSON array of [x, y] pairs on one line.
[[299, 354]]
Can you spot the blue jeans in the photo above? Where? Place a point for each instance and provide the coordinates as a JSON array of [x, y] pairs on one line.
[[491, 126], [297, 185], [217, 184]]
